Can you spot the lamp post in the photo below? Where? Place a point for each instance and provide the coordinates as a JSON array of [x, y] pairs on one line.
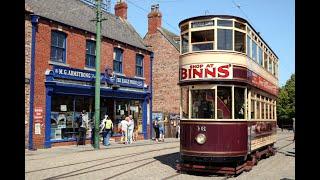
[[97, 83]]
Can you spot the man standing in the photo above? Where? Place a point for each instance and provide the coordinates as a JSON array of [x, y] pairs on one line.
[[83, 128], [106, 129]]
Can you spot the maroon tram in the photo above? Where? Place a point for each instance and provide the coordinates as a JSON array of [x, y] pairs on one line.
[[229, 86]]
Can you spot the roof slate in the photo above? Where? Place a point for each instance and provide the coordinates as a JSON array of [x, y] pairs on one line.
[[80, 15], [170, 37]]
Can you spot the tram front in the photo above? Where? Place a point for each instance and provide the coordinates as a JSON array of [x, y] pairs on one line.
[[213, 99]]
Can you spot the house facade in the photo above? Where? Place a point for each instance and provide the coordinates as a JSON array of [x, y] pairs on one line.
[[62, 74]]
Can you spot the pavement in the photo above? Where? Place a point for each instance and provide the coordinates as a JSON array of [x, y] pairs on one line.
[[144, 159]]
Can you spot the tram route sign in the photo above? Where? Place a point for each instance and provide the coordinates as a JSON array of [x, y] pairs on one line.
[[206, 71]]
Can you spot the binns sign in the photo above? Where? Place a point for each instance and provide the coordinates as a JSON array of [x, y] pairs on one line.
[[206, 71]]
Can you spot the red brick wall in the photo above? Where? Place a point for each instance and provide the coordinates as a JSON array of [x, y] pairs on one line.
[[120, 9], [76, 48], [165, 74]]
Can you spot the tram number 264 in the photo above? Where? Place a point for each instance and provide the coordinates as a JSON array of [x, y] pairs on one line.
[[201, 128]]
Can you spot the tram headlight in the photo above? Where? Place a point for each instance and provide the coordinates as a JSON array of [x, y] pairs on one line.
[[201, 138]]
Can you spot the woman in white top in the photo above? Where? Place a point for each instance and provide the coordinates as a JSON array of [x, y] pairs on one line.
[[130, 129], [124, 130]]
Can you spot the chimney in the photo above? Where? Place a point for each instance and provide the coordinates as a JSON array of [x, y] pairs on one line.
[[154, 19], [120, 9]]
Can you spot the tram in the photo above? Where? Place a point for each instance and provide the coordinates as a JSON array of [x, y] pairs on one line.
[[229, 85]]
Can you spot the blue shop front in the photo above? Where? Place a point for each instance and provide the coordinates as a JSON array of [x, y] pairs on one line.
[[69, 91]]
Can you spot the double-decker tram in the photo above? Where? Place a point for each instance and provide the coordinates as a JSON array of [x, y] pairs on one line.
[[229, 85]]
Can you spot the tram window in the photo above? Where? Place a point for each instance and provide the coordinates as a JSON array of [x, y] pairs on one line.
[[203, 102], [202, 24], [224, 103], [258, 110], [239, 41], [239, 106], [185, 42], [248, 46], [202, 40], [260, 56], [225, 39], [185, 102], [263, 110], [265, 60], [270, 65], [252, 109], [185, 27], [273, 70], [226, 23], [254, 51], [240, 25]]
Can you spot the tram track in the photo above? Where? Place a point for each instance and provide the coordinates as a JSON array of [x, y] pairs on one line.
[[109, 159]]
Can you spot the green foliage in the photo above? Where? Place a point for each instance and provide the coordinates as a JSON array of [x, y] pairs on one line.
[[286, 101]]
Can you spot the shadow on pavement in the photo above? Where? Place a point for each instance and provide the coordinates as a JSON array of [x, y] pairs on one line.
[[169, 159]]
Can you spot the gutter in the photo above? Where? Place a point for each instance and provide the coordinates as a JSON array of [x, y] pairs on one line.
[[34, 21], [151, 88]]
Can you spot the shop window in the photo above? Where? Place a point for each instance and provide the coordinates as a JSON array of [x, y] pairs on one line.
[[202, 40], [226, 23], [185, 43], [224, 103], [240, 25], [225, 39], [58, 47], [254, 50], [239, 103], [203, 102], [139, 65], [90, 54], [239, 41], [185, 101], [248, 46], [117, 61], [260, 55]]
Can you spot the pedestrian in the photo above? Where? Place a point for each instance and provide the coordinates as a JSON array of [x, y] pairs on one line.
[[156, 128], [106, 127], [161, 130], [83, 128], [124, 126], [130, 129], [178, 130], [294, 128]]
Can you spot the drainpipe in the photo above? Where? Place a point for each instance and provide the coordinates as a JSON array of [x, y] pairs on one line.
[[151, 64], [34, 21]]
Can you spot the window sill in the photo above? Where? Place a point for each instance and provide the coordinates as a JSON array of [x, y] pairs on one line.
[[119, 74], [89, 69], [58, 63], [138, 77]]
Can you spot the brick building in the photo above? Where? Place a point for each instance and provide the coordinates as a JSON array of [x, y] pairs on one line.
[[165, 69], [64, 71]]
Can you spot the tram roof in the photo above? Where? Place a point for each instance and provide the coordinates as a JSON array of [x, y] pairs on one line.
[[227, 17]]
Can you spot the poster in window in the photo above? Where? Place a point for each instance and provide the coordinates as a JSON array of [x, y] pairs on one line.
[[63, 107], [121, 112], [37, 128]]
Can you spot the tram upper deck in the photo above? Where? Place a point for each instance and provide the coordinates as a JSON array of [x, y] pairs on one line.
[[211, 44]]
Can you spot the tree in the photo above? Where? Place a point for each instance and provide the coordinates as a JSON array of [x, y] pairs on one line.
[[286, 102]]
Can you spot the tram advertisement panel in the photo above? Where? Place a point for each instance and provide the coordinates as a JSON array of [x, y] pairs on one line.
[[206, 71]]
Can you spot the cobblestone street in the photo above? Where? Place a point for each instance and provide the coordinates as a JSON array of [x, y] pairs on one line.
[[143, 160]]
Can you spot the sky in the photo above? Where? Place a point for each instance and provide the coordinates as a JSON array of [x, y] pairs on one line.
[[274, 19]]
